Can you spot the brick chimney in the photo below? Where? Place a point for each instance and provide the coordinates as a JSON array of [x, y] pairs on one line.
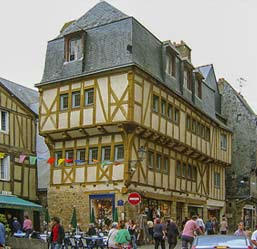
[[184, 50]]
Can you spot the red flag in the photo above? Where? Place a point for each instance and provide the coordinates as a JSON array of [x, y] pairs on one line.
[[116, 163], [69, 160], [51, 160]]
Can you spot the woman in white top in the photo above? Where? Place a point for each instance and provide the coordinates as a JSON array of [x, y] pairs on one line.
[[111, 236]]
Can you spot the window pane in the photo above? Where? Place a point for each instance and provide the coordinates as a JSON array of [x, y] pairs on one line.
[[69, 155], [75, 51], [163, 105], [189, 172], [119, 152], [106, 153], [184, 170], [81, 155], [166, 164], [158, 162], [223, 141], [89, 97], [194, 126], [178, 169], [150, 159], [76, 99], [64, 101], [155, 103], [170, 111], [176, 115], [57, 156], [93, 155], [5, 168], [188, 123], [4, 121], [199, 88]]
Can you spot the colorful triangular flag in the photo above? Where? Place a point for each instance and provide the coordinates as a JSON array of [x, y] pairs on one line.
[[95, 161], [104, 163], [22, 158], [60, 161], [51, 160], [116, 163], [2, 155], [69, 160], [32, 160]]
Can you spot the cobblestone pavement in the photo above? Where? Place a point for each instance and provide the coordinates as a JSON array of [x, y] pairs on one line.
[[166, 246]]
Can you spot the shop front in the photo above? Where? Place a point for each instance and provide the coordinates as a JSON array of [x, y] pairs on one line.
[[102, 208], [249, 216], [195, 210]]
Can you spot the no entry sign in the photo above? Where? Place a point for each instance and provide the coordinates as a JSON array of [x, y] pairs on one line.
[[134, 198]]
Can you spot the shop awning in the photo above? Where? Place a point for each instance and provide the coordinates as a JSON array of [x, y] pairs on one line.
[[11, 201]]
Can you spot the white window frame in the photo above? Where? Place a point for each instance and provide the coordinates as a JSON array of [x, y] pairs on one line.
[[57, 156], [116, 153], [5, 168], [171, 65], [156, 100], [104, 150], [87, 92], [79, 156], [223, 141], [166, 164], [75, 49], [6, 129], [90, 154], [74, 98], [62, 96], [150, 158], [158, 161], [69, 154]]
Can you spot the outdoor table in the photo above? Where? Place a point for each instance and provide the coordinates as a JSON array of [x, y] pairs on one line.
[[19, 235]]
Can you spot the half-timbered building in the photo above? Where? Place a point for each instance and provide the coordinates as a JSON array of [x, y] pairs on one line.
[[18, 171], [111, 90]]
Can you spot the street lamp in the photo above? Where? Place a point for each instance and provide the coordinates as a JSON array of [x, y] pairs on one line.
[[133, 163]]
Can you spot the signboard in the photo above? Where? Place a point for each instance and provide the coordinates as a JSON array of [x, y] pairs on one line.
[[120, 203], [134, 198]]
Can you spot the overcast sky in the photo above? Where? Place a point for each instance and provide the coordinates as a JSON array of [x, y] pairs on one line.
[[221, 32]]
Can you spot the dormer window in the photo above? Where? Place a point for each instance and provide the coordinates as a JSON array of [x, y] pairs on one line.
[[187, 79], [74, 47], [171, 65], [199, 88]]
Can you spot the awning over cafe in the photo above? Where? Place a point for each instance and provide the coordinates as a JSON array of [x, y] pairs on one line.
[[11, 201]]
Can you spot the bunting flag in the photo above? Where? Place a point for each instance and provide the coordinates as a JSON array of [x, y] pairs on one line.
[[95, 161], [116, 163], [68, 160], [60, 161], [32, 160], [2, 155], [104, 163], [51, 160], [79, 161], [22, 158]]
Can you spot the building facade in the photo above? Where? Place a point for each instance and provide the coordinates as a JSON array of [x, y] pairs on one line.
[[241, 190], [18, 170], [111, 89]]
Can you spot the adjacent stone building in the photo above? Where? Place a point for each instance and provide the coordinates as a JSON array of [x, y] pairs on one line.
[[122, 111], [241, 185]]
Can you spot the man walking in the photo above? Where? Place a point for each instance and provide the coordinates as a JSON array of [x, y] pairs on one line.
[[254, 239], [2, 235], [188, 233], [57, 234]]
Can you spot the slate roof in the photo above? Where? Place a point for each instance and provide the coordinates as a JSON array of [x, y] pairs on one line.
[[102, 13], [26, 95]]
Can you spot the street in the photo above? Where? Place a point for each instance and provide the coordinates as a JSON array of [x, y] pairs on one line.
[[148, 246]]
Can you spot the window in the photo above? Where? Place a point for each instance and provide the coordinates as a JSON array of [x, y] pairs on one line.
[[89, 96], [64, 101], [216, 180], [199, 88], [119, 153], [75, 99], [81, 156], [178, 169], [106, 153], [193, 125], [92, 155], [158, 162], [69, 156], [166, 164], [171, 65], [223, 141], [202, 131], [5, 168], [155, 103], [188, 123], [189, 172], [198, 129], [163, 107], [170, 112], [150, 159], [187, 80], [57, 156], [207, 134], [194, 173], [4, 122], [75, 49], [176, 115], [184, 170]]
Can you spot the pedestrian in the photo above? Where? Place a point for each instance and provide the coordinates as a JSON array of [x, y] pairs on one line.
[[200, 223], [223, 226], [172, 234], [57, 234], [16, 225], [91, 230], [254, 238], [240, 231], [2, 235], [9, 222], [159, 234], [150, 231], [122, 237], [183, 223], [27, 226], [133, 233], [188, 233], [112, 235], [209, 227], [215, 225]]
